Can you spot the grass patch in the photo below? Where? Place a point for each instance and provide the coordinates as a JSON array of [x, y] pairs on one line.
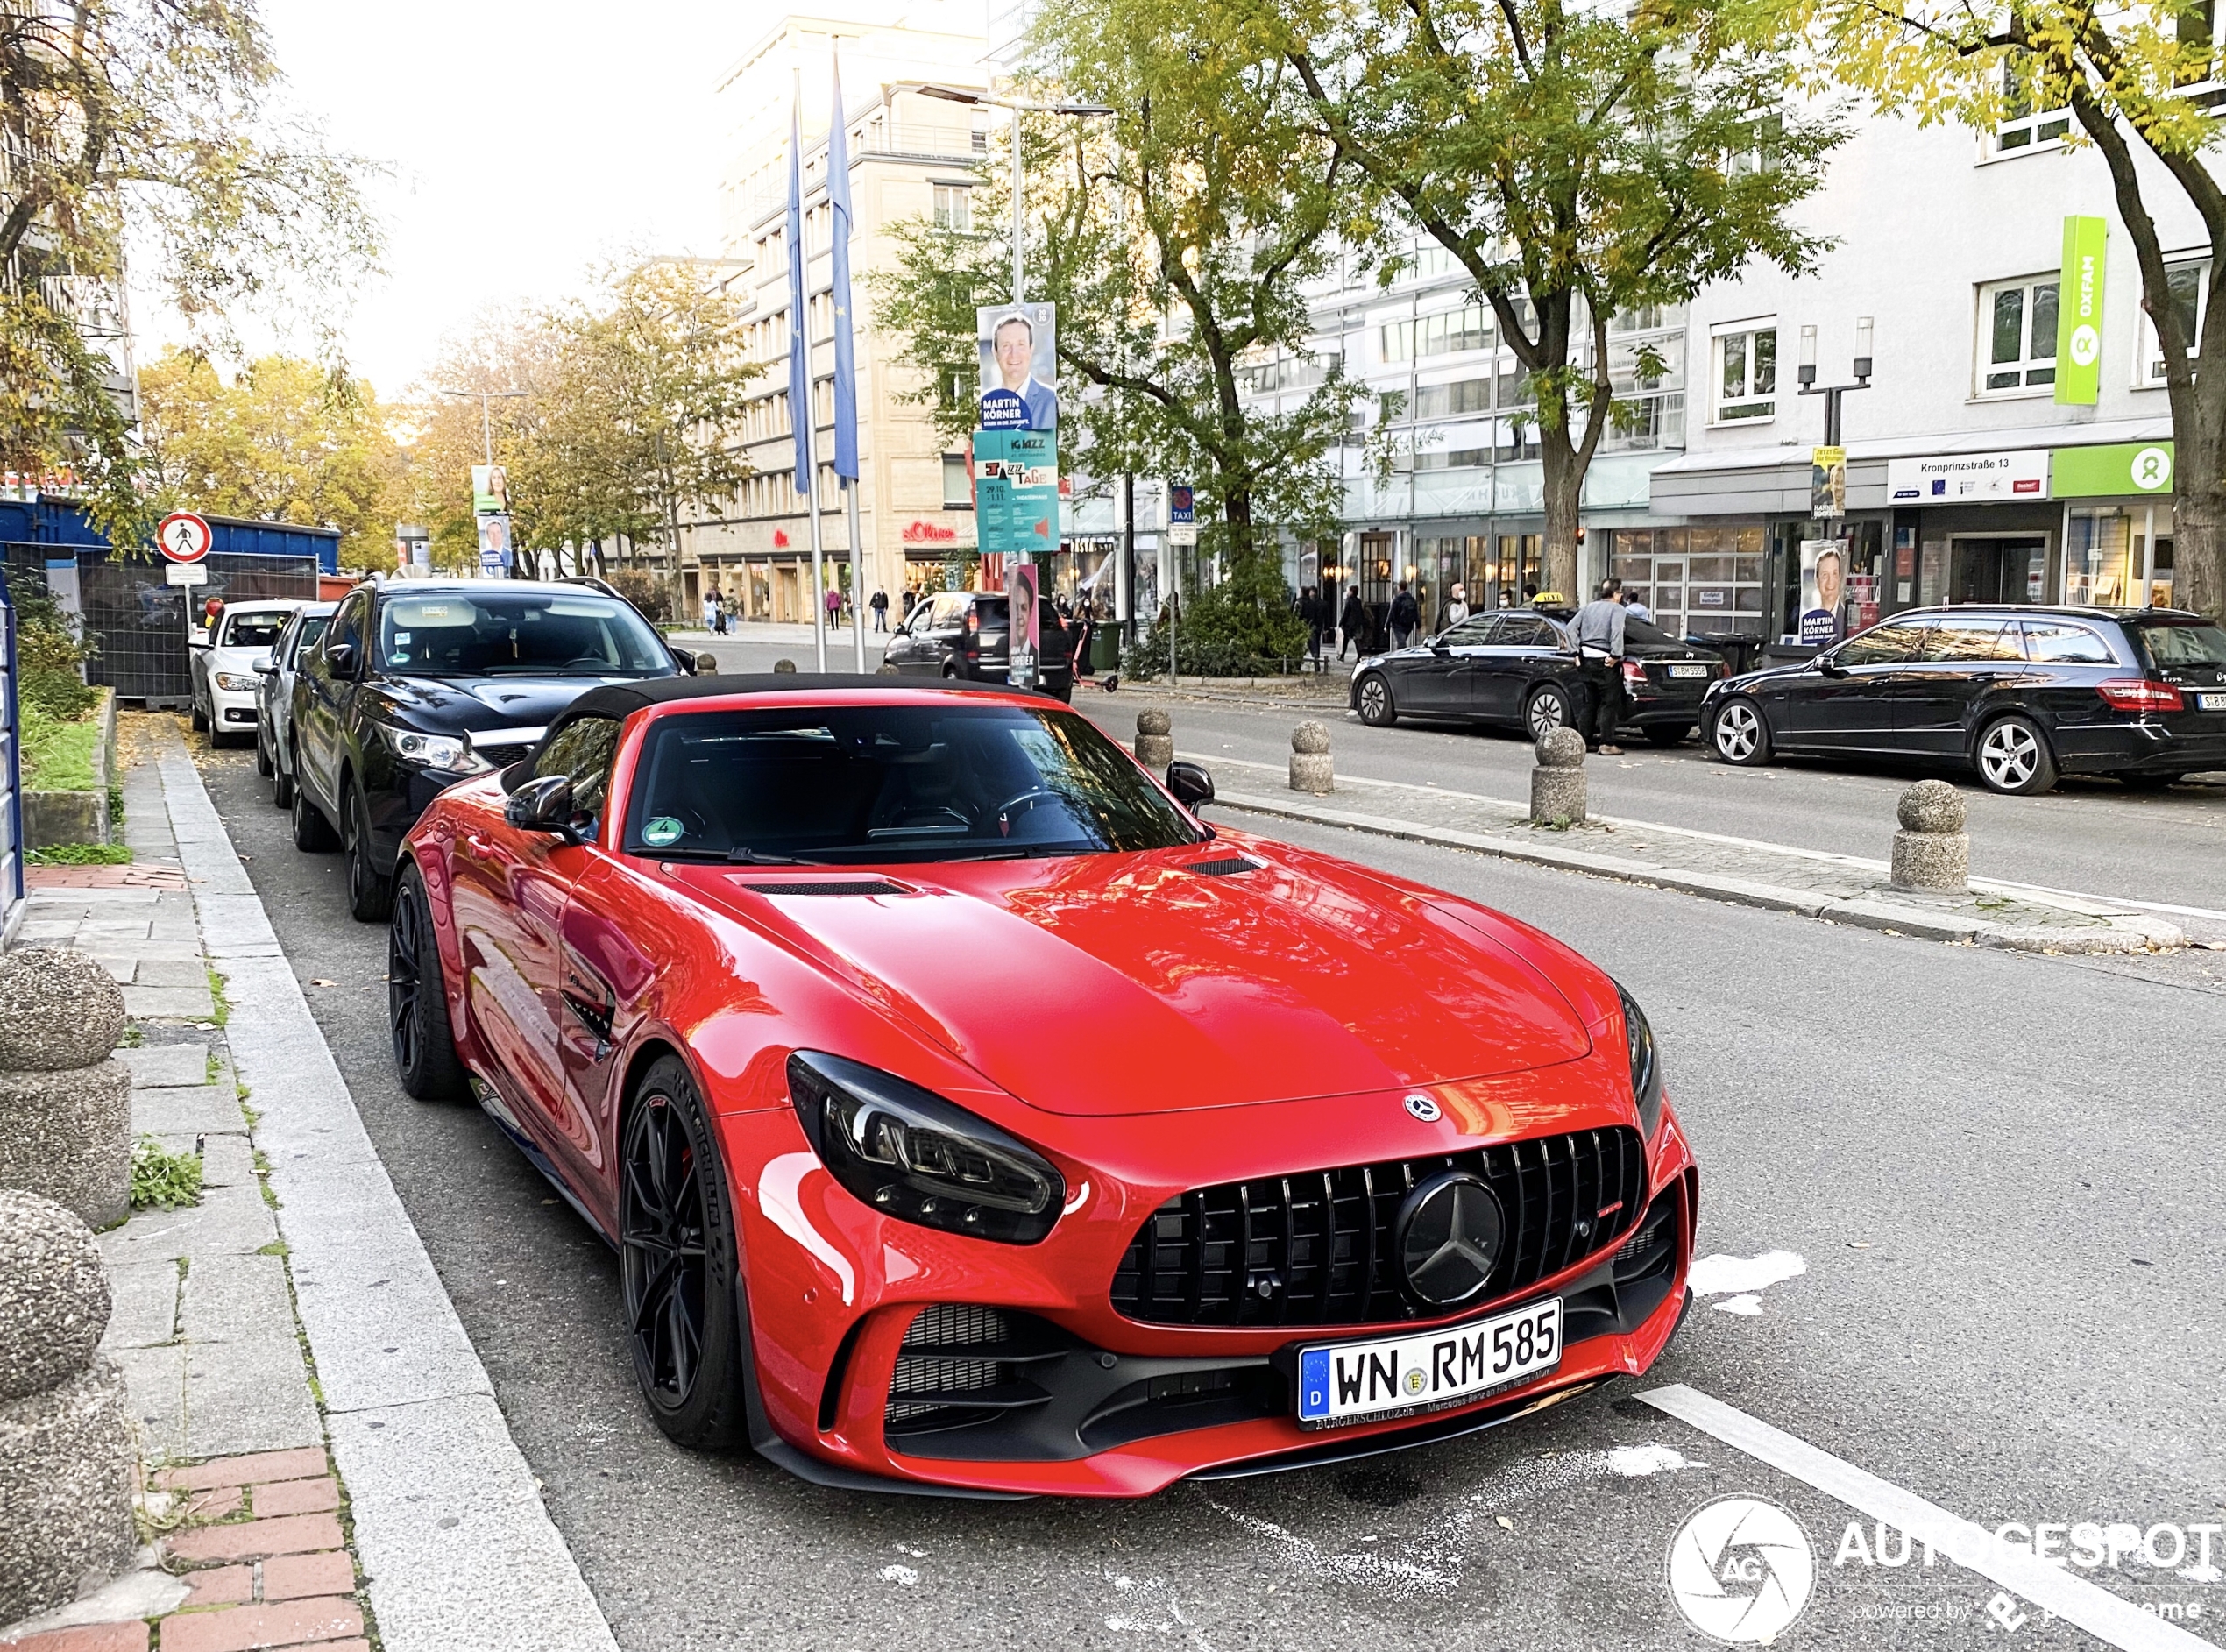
[[115, 802], [215, 1067], [58, 752], [134, 1036], [162, 1180], [217, 994], [80, 855]]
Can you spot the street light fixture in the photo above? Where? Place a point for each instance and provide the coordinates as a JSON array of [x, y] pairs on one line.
[[487, 423], [1832, 392]]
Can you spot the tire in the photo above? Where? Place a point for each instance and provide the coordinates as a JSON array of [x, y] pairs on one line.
[[1378, 709], [281, 784], [1739, 735], [1667, 734], [677, 1264], [1547, 709], [264, 766], [417, 1005], [950, 670], [370, 892], [200, 717], [2014, 758], [312, 832]]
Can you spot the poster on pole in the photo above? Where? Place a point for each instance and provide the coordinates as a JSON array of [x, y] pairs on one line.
[[1020, 366], [1016, 492], [1023, 627], [1828, 482], [494, 545], [490, 490], [1824, 583]]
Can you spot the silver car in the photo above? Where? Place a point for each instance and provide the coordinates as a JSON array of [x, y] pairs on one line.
[[274, 697]]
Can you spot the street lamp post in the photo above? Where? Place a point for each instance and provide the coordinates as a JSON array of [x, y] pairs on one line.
[[1832, 392], [487, 422]]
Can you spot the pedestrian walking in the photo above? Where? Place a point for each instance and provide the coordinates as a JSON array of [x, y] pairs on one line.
[[1405, 615], [1457, 608], [1352, 625], [711, 609], [834, 606], [881, 609], [1599, 650]]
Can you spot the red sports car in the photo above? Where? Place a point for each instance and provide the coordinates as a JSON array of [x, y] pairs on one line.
[[968, 1116]]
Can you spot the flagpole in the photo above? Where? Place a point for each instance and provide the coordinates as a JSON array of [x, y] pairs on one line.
[[819, 551], [802, 413]]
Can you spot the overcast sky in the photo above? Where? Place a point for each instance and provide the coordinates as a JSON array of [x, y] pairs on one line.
[[529, 138]]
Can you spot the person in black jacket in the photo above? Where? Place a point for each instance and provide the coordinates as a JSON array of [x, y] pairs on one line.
[[1406, 614], [1352, 625]]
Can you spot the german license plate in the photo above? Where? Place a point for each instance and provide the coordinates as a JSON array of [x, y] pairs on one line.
[[1689, 670], [2211, 702], [1397, 1376]]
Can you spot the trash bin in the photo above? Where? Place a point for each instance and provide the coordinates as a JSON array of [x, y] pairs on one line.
[[1105, 648], [1738, 648]]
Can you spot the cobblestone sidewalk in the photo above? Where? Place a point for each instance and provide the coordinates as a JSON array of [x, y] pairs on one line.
[[1843, 888]]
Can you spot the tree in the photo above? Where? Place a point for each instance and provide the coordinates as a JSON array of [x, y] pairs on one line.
[[2119, 71], [157, 122], [285, 440], [1577, 160], [1177, 239]]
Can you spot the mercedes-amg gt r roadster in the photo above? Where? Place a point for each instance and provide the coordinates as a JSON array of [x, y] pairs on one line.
[[970, 1117]]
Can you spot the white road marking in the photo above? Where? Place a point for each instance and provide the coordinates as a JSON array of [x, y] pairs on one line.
[[1747, 1307], [1739, 1275], [903, 1575], [2091, 1607]]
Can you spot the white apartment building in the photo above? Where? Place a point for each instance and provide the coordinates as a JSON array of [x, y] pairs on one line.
[[910, 156]]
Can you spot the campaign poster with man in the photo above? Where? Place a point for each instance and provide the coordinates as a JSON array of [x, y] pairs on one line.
[[1020, 366], [1824, 583]]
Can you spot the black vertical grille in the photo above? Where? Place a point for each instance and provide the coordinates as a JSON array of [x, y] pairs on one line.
[[1315, 1248]]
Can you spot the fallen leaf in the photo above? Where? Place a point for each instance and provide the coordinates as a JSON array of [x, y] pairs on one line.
[[1859, 1244], [319, 981], [1505, 1522]]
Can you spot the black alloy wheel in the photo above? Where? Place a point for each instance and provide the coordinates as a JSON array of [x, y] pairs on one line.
[[417, 1007], [676, 1264], [312, 832], [370, 892], [1546, 710], [1374, 694]]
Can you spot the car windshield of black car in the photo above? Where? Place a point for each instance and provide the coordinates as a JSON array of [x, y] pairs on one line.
[[865, 784], [512, 634]]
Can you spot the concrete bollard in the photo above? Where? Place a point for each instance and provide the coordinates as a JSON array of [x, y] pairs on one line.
[[65, 1100], [1931, 851], [784, 668], [68, 1457], [1557, 784], [1310, 757], [1155, 740]]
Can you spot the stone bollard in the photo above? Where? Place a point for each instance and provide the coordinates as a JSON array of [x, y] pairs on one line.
[[1155, 740], [65, 1100], [1932, 850], [1310, 757], [68, 1455], [1557, 784], [784, 668]]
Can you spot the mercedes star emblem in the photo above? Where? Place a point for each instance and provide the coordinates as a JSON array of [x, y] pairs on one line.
[[1448, 1234], [1423, 1108]]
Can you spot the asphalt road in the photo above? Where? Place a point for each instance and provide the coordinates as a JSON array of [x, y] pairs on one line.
[[1999, 1173], [2088, 836]]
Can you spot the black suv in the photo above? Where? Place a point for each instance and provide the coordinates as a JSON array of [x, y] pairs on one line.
[[419, 684], [962, 633], [2022, 694]]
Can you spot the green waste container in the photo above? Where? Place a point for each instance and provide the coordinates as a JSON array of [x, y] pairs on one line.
[[1105, 648]]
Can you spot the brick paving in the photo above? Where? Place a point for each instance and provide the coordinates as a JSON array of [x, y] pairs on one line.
[[133, 874]]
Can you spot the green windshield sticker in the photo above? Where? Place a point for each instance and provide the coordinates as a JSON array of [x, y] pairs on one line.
[[663, 830]]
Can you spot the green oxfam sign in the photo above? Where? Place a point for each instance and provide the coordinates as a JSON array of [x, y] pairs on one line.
[[2078, 313], [2121, 467]]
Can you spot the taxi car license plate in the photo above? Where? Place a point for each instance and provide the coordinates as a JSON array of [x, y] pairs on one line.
[[1427, 1371], [2211, 702], [1688, 670]]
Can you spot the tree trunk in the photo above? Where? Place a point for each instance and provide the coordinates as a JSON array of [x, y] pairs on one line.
[[2199, 550], [1564, 489]]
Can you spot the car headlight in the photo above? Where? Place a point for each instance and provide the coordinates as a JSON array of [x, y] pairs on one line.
[[1646, 1064], [443, 752], [236, 682], [907, 1151]]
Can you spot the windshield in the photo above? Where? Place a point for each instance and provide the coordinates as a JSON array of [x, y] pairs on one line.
[[518, 634], [861, 783], [255, 630], [2184, 644]]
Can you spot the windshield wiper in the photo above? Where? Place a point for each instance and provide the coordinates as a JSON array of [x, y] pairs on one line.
[[722, 857], [746, 856]]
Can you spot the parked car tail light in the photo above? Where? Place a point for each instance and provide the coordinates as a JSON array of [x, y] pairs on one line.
[[2138, 694], [1635, 673], [973, 620]]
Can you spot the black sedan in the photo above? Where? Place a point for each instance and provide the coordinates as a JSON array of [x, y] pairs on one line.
[[1518, 669], [2021, 694], [417, 685]]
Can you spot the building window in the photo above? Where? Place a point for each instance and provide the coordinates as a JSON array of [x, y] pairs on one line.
[[2190, 288], [1746, 374], [951, 209], [958, 487], [2017, 336], [1467, 328], [2023, 126]]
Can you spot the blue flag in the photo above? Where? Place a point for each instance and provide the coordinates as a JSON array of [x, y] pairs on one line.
[[846, 349], [799, 322]]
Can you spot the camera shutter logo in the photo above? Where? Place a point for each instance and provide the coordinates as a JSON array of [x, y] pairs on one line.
[[1741, 1569]]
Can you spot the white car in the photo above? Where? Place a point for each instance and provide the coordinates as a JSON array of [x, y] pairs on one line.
[[224, 680]]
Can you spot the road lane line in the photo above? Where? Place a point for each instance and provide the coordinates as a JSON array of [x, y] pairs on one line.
[[2070, 1597]]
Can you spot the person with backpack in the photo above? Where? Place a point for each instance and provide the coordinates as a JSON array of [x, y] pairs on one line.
[[1405, 616]]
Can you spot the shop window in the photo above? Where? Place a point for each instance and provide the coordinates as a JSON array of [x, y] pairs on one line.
[[952, 211], [2190, 285], [1746, 374], [958, 487], [2017, 336], [2098, 559]]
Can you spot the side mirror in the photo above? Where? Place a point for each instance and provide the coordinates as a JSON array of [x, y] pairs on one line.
[[1439, 646], [687, 658], [541, 805], [706, 665], [1829, 667], [1190, 784], [341, 656], [266, 665]]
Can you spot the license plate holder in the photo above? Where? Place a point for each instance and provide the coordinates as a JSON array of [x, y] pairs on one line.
[[1374, 1380], [2209, 702]]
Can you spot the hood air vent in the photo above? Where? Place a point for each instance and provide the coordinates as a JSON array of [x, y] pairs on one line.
[[863, 886], [1224, 869]]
